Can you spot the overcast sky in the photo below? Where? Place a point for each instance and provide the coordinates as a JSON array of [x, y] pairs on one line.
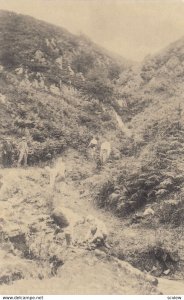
[[131, 28]]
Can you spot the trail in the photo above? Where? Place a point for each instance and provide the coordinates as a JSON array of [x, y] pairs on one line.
[[83, 272], [171, 287], [121, 125], [83, 205]]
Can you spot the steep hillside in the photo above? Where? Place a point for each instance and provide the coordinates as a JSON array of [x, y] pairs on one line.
[[45, 48], [153, 93], [151, 100], [158, 77], [56, 88]]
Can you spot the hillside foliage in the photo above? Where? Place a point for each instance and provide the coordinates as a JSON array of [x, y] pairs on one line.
[[54, 86]]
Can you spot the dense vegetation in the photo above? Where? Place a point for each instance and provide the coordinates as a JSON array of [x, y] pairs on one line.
[[73, 100], [57, 87], [153, 92], [62, 104], [59, 90]]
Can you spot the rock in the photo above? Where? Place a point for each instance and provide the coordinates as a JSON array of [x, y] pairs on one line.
[[154, 281], [2, 98], [54, 89], [148, 211], [47, 42], [35, 83], [171, 202], [116, 154], [113, 198], [19, 71], [99, 253], [174, 256], [39, 56], [59, 62], [71, 72], [169, 174], [153, 269], [60, 218], [64, 217], [80, 76], [25, 83], [166, 272], [42, 83], [18, 239], [13, 268], [53, 42], [137, 273]]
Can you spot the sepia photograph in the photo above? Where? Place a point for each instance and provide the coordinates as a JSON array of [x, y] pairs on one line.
[[91, 148]]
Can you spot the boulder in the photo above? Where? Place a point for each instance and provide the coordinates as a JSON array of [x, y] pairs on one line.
[[166, 272], [113, 198], [19, 71], [135, 273], [148, 211], [13, 268], [99, 253], [60, 218], [64, 216]]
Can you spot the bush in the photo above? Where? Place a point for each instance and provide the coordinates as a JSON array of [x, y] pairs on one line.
[[10, 59], [99, 88], [83, 62]]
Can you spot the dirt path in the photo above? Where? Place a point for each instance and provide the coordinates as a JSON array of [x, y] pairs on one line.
[[26, 191], [83, 205], [171, 287]]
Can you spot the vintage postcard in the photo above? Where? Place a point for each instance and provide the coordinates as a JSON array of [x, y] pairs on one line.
[[91, 148]]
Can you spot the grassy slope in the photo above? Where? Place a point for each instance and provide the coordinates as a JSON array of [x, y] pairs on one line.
[[52, 122], [155, 109], [154, 174]]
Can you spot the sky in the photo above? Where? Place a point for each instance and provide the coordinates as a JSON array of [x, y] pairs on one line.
[[130, 28]]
